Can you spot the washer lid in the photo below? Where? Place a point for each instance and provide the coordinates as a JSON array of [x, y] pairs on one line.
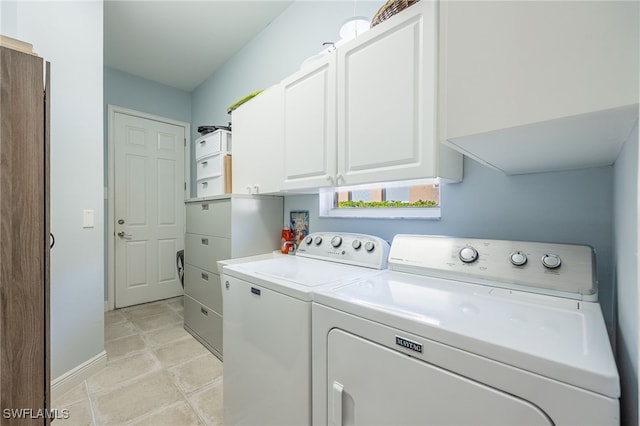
[[558, 338], [297, 276]]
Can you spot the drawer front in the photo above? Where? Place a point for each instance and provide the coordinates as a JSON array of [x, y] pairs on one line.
[[210, 218], [203, 321], [203, 286], [210, 166], [204, 251], [213, 143], [210, 187]]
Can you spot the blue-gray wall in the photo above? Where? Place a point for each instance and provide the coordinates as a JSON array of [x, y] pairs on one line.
[[69, 35], [626, 273]]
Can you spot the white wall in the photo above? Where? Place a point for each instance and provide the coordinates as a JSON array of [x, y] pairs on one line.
[[626, 273], [69, 35]]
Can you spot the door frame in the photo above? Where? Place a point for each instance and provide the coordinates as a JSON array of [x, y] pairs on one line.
[[110, 193]]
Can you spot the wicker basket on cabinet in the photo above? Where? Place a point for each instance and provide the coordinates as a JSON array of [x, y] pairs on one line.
[[389, 9]]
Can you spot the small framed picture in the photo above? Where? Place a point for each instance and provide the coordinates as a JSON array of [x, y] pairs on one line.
[[299, 222]]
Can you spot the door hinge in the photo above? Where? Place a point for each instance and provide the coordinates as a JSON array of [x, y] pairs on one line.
[[185, 141]]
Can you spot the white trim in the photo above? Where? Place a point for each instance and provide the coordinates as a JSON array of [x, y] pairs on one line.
[[112, 110], [77, 375]]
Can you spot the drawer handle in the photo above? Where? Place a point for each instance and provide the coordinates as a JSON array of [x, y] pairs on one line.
[[204, 276], [204, 311], [204, 241], [205, 184], [205, 207], [203, 142], [255, 291], [204, 163]]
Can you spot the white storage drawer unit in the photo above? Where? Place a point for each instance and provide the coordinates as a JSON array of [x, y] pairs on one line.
[[220, 228], [213, 143]]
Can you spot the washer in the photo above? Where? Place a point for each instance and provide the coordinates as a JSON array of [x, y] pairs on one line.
[[267, 324], [466, 331]]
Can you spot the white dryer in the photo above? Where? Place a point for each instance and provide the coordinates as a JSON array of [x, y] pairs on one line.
[[466, 332], [267, 324]]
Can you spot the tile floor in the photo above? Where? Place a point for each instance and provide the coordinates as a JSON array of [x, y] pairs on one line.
[[156, 374]]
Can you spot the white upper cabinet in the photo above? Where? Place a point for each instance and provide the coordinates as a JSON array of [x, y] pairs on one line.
[[387, 103], [257, 144], [531, 86], [366, 113], [310, 125]]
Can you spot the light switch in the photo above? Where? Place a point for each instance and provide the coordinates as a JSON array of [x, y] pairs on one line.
[[87, 218]]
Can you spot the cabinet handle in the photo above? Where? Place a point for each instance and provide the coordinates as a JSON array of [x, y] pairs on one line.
[[204, 312], [204, 276], [257, 188], [204, 241], [336, 403], [330, 179], [205, 207], [255, 291], [203, 142], [339, 177], [204, 163], [248, 189]]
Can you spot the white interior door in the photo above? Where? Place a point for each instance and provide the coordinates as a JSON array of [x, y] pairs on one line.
[[149, 208]]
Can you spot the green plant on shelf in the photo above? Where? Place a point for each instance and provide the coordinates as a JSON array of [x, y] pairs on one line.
[[385, 204]]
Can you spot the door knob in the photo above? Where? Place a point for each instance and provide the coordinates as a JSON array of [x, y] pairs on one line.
[[121, 221], [123, 234]]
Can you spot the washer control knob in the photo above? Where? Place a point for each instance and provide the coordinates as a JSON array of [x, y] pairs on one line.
[[468, 254], [356, 244], [336, 241], [369, 246], [308, 240], [551, 261], [518, 258], [318, 240]]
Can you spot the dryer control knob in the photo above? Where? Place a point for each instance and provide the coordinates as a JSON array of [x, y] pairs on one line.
[[468, 254], [336, 241], [551, 261], [308, 240], [369, 246], [318, 240], [518, 258], [356, 244]]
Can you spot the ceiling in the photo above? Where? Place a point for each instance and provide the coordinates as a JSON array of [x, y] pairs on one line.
[[181, 43]]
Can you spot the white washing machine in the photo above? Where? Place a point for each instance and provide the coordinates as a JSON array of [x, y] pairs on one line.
[[466, 332], [267, 324]]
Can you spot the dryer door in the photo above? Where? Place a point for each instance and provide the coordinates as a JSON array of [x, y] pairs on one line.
[[369, 384]]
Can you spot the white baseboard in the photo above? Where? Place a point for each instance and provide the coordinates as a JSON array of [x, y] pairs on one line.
[[77, 375]]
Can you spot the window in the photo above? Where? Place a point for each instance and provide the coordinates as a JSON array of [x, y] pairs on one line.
[[397, 200]]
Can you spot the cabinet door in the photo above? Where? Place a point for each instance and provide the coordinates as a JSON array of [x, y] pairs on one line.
[[387, 98], [257, 144], [310, 126]]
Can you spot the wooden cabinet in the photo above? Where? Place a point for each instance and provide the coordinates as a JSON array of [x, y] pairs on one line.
[[366, 113], [24, 238], [220, 228], [257, 144], [533, 86]]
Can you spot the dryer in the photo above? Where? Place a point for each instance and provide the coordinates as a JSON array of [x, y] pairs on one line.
[[466, 331], [267, 324]]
